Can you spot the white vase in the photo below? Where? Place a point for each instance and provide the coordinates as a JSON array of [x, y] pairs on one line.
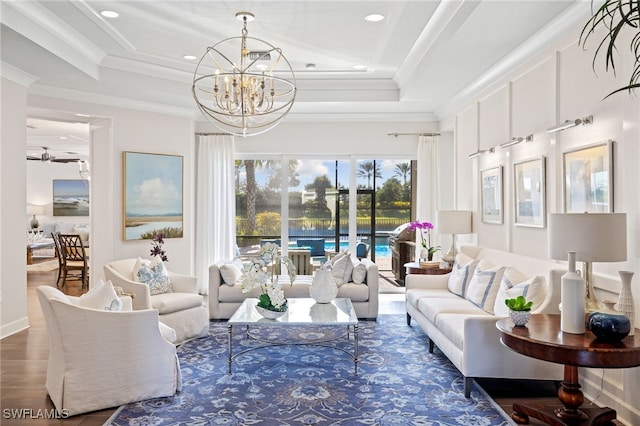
[[424, 253], [573, 292], [625, 299], [323, 288]]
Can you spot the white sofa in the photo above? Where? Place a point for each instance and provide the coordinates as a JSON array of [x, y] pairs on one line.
[[467, 334], [224, 299]]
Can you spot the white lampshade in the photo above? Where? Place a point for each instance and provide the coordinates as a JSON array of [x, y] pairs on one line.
[[35, 209], [595, 237], [453, 221]]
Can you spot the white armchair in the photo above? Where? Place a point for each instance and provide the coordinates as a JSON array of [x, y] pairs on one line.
[[183, 309], [101, 359]]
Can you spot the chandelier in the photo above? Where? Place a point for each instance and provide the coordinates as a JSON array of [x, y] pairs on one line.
[[248, 94]]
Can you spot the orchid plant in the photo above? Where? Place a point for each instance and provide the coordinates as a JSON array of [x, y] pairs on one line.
[[156, 250], [260, 271], [424, 230]]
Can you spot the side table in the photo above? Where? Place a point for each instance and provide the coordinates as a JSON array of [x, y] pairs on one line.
[[541, 338], [415, 268]]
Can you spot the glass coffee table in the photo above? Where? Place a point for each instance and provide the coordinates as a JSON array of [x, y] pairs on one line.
[[302, 312]]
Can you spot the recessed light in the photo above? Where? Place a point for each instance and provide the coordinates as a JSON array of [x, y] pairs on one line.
[[311, 66], [109, 14], [359, 67], [374, 17], [189, 57], [64, 138]]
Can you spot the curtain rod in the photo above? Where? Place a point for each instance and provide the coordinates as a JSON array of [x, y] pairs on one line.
[[396, 134], [214, 134]]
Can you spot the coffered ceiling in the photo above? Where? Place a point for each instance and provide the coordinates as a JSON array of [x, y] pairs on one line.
[[423, 60]]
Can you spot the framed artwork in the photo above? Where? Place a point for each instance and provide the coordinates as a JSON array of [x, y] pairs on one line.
[[152, 195], [491, 195], [587, 184], [70, 197], [529, 196]]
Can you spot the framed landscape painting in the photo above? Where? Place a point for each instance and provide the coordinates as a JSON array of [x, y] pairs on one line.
[[529, 187], [587, 185], [153, 187], [491, 195], [70, 197]]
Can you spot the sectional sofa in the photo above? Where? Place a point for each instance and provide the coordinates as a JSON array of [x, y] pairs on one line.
[[459, 310]]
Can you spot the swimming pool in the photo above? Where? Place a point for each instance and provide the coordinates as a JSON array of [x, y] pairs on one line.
[[382, 248]]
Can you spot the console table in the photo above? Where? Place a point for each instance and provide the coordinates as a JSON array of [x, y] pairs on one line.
[[415, 268], [541, 338]]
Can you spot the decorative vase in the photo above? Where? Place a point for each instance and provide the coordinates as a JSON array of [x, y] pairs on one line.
[[519, 318], [625, 299], [572, 314], [268, 314], [609, 327], [424, 253], [323, 288]]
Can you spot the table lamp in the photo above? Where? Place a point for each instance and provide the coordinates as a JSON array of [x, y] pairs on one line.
[[595, 237], [34, 209], [453, 222]]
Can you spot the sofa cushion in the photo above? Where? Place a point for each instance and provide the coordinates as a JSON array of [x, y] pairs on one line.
[[514, 284], [484, 285], [414, 295], [452, 326], [231, 271], [355, 292], [342, 270], [102, 296], [359, 273], [433, 307], [167, 303], [461, 274]]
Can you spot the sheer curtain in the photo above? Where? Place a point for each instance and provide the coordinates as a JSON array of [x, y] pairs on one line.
[[427, 182], [215, 204]]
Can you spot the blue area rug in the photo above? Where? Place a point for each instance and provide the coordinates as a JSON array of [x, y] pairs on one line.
[[399, 383]]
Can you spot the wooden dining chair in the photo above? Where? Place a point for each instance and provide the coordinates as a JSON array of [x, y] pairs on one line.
[[56, 241], [74, 259]]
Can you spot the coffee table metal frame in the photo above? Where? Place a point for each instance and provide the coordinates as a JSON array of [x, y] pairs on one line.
[[301, 312]]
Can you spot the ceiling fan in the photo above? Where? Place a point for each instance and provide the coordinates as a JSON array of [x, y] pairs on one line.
[[45, 157]]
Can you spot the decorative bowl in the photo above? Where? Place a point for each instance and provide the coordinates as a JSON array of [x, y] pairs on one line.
[[609, 327], [519, 318], [270, 314]]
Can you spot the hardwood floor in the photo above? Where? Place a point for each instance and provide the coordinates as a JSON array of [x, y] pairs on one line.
[[24, 363]]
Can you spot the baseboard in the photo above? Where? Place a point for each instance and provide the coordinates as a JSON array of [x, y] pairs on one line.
[[608, 391], [14, 327]]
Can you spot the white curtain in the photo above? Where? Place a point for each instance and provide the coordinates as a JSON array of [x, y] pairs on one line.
[[427, 183], [215, 204]]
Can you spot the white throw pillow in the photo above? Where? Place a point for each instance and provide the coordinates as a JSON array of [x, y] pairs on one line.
[[64, 228], [484, 285], [342, 270], [359, 273], [231, 272], [514, 284], [102, 296], [339, 256], [461, 274], [154, 274], [83, 232]]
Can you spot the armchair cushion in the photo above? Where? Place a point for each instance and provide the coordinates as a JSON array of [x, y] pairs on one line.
[[154, 274], [167, 303], [103, 297]]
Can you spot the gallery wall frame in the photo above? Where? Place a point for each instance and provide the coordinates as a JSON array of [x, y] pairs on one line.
[[587, 184], [152, 195], [70, 197], [491, 195], [529, 188]]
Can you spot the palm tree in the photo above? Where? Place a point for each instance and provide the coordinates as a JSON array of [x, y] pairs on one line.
[[250, 167], [402, 170], [368, 169]]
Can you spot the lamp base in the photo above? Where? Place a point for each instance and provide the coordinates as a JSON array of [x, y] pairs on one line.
[[450, 257], [34, 222]]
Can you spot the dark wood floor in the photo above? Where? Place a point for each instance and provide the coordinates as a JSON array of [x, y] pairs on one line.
[[24, 363]]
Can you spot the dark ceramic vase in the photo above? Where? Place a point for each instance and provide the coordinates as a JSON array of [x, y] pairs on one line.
[[609, 327]]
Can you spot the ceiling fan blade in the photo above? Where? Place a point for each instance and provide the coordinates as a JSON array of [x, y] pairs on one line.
[[31, 157], [65, 160]]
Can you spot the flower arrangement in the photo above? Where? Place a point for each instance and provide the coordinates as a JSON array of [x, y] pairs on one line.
[[156, 250], [260, 271], [425, 236]]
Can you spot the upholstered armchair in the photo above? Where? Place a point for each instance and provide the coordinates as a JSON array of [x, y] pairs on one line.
[[181, 309], [100, 359]]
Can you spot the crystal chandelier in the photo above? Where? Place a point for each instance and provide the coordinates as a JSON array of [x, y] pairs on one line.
[[245, 95]]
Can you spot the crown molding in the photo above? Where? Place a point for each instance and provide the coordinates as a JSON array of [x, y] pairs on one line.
[[16, 75]]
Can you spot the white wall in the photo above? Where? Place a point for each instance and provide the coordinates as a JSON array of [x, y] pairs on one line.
[[556, 86], [13, 270]]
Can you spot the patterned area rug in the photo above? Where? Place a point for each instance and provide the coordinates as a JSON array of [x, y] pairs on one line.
[[399, 383]]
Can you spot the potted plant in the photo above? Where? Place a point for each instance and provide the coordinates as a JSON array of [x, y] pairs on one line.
[[519, 310]]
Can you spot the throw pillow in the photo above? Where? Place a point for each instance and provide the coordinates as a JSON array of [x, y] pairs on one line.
[[102, 296], [231, 272], [154, 274], [461, 274], [339, 256], [342, 270], [484, 285], [514, 284], [359, 273], [83, 231]]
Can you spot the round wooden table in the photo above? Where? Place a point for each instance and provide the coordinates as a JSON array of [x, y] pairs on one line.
[[542, 338]]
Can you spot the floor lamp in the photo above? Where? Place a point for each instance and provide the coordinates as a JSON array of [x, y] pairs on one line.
[[595, 237], [453, 222]]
